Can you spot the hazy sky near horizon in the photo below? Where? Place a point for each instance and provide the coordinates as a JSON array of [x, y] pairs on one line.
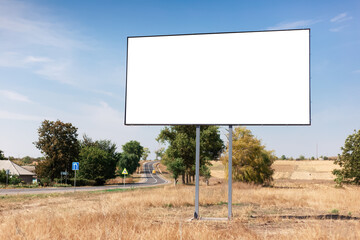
[[66, 60]]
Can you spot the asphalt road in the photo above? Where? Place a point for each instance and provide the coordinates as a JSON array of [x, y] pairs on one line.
[[150, 179]]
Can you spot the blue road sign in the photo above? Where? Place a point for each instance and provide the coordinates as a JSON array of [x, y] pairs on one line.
[[75, 166]]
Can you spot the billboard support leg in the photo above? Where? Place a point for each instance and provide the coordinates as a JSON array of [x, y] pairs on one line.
[[230, 175], [197, 175]]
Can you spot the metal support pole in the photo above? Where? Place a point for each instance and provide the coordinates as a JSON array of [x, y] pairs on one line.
[[196, 213], [230, 175], [7, 177], [75, 182]]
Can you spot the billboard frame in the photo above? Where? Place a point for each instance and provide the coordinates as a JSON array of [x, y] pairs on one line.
[[216, 124]]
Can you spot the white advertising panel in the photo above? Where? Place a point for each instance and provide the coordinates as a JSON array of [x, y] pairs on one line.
[[241, 78]]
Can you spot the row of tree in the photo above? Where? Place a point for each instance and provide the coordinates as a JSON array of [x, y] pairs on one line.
[[251, 162], [98, 159]]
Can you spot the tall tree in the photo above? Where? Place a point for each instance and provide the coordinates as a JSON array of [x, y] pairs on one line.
[[105, 145], [176, 167], [96, 164], [349, 161], [58, 142], [159, 153], [133, 147], [145, 154], [2, 157], [130, 157], [181, 144], [250, 160]]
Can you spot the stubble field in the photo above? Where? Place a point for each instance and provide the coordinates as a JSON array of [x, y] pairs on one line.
[[293, 208]]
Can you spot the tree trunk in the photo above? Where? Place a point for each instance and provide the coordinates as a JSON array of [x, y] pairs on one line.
[[187, 178], [183, 178]]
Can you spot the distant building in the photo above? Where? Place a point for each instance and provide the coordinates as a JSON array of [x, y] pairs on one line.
[[15, 169]]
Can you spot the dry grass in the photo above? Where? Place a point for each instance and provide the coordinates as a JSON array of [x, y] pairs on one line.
[[304, 170], [162, 213], [290, 209], [290, 170]]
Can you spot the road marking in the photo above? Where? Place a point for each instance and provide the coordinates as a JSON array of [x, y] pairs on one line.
[[152, 174]]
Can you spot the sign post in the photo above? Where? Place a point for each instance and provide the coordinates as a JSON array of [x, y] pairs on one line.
[[197, 170], [7, 176], [124, 172], [75, 167], [230, 174], [64, 174]]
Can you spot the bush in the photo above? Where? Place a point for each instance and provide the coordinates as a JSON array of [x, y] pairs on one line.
[[83, 182], [45, 181], [251, 161], [14, 180], [349, 161]]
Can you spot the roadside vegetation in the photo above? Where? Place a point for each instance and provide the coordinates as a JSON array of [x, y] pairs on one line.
[[300, 210]]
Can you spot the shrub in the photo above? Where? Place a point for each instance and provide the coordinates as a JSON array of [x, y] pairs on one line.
[[83, 182], [349, 161]]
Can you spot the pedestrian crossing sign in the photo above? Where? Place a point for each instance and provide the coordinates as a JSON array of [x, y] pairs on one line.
[[124, 171]]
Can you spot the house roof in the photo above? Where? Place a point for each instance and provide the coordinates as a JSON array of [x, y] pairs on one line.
[[14, 168]]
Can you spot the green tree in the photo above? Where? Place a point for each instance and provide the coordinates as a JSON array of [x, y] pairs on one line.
[[27, 160], [96, 164], [2, 176], [250, 161], [177, 168], [133, 147], [58, 142], [181, 142], [130, 157], [160, 153], [283, 157], [2, 157], [129, 161], [145, 154], [205, 173], [301, 157], [349, 161], [12, 179], [105, 145]]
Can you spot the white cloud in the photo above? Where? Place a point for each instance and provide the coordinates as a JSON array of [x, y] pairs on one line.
[[337, 29], [341, 18], [58, 71], [21, 24], [292, 25], [26, 30], [18, 116], [32, 59], [14, 96]]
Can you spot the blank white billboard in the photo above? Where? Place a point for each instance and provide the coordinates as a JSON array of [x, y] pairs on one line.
[[241, 78]]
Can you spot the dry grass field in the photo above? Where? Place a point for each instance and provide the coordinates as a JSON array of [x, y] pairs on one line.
[[288, 209]]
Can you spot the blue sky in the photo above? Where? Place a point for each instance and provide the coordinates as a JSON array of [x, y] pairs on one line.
[[66, 60]]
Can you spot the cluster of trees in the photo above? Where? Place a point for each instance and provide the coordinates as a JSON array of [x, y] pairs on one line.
[[179, 157], [251, 161], [98, 159], [11, 179]]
